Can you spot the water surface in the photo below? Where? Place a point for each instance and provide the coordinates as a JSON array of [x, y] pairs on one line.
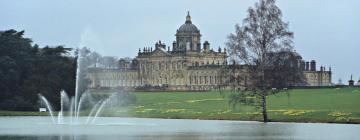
[[111, 128]]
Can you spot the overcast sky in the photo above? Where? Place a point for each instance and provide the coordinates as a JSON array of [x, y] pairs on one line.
[[325, 30]]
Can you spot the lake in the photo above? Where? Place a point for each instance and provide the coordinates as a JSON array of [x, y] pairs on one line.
[[113, 128]]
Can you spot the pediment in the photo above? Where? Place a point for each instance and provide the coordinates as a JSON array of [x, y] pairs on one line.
[[159, 52]]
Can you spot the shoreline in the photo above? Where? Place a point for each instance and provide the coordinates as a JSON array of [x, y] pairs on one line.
[[45, 114]]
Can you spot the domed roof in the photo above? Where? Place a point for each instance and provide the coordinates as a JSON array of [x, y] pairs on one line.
[[188, 27], [297, 55]]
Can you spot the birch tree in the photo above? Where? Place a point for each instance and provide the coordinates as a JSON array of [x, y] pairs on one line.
[[264, 44]]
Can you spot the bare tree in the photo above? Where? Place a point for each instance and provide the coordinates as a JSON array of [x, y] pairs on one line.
[[94, 58], [125, 63], [109, 62], [263, 43]]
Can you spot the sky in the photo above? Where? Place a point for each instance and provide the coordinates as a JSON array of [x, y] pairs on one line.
[[327, 31]]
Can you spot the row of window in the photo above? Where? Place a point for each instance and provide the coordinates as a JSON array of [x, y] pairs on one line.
[[117, 83], [203, 80], [116, 76], [162, 66], [175, 65]]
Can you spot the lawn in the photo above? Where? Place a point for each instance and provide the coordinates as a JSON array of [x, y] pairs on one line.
[[338, 105]]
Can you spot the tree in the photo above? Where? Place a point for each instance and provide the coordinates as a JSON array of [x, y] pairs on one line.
[[52, 72], [27, 70], [94, 57], [109, 62], [125, 63], [263, 43]]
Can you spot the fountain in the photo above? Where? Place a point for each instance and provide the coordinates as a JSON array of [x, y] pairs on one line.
[[74, 110], [74, 104]]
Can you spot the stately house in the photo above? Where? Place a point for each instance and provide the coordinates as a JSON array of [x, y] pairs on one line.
[[188, 65]]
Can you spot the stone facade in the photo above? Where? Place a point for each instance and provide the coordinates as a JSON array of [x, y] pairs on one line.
[[189, 65], [318, 78]]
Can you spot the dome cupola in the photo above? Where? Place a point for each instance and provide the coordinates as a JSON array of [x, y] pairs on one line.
[[188, 27], [187, 37]]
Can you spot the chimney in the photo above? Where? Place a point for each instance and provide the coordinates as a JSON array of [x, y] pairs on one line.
[[312, 65], [174, 46], [206, 46], [307, 66], [302, 65]]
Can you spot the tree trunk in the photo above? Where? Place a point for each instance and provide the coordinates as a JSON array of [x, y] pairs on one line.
[[263, 90], [264, 112]]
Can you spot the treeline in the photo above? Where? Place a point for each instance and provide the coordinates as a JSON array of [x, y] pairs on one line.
[[27, 70]]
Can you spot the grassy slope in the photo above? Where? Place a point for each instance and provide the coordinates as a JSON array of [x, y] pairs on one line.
[[303, 105], [319, 105]]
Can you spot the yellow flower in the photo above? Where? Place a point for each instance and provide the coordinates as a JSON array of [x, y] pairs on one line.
[[215, 99], [226, 111], [253, 113], [139, 107], [294, 112], [196, 112], [145, 110], [175, 110], [279, 110], [338, 114]]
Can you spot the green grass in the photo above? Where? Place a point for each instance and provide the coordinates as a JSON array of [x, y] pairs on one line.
[[22, 113], [303, 105]]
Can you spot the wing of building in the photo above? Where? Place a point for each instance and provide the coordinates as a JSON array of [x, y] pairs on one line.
[[188, 64]]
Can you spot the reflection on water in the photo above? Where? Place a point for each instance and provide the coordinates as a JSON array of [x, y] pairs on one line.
[[151, 137], [41, 128]]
